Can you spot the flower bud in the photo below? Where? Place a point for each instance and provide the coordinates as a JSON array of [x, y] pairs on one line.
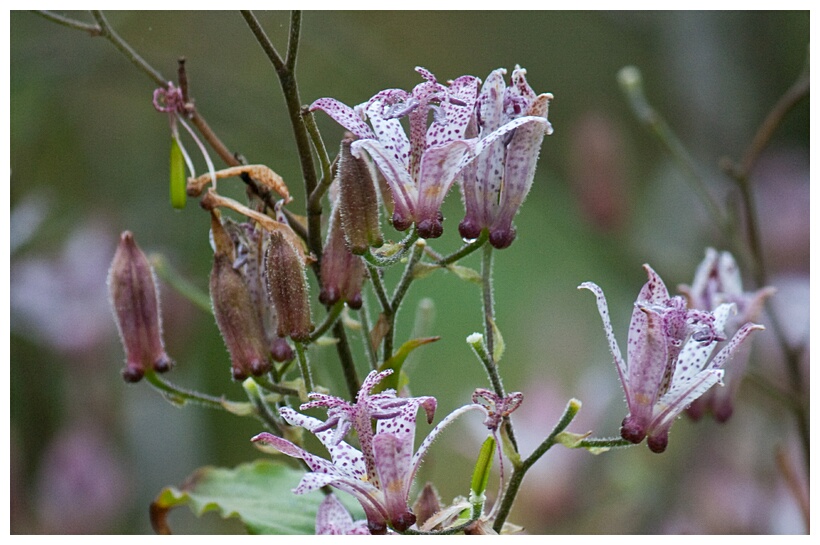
[[136, 310], [342, 272], [358, 202], [236, 316], [287, 288]]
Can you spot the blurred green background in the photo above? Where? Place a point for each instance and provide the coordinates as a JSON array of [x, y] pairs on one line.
[[89, 158]]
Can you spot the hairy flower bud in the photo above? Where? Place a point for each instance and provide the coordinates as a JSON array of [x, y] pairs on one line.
[[136, 310], [287, 288], [342, 272], [358, 202], [237, 318]]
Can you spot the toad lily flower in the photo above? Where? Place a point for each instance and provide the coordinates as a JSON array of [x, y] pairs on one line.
[[717, 281], [495, 184], [668, 364], [421, 169], [379, 475]]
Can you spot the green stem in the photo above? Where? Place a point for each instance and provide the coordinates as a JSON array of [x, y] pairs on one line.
[[330, 319], [368, 346], [346, 360], [275, 388], [520, 470], [741, 173], [489, 337], [182, 395], [185, 288], [315, 199], [398, 295], [465, 250], [290, 90], [378, 288], [381, 261], [607, 443], [632, 86], [304, 366]]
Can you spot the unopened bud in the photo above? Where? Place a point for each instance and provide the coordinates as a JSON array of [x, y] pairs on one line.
[[342, 272], [237, 318], [427, 504], [358, 202], [136, 310], [287, 288]]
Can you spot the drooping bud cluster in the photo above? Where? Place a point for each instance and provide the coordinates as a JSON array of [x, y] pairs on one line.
[[135, 303], [236, 315], [287, 288]]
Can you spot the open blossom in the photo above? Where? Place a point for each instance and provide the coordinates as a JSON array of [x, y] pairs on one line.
[[380, 475], [717, 281], [496, 183], [668, 364], [419, 169]]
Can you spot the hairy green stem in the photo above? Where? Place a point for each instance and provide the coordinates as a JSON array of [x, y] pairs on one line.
[[520, 470], [330, 319], [464, 251], [181, 394], [404, 246], [304, 366], [489, 338]]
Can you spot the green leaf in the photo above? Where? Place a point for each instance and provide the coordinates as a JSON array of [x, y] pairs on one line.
[[178, 182], [258, 493], [395, 363], [571, 440], [465, 273], [498, 342]]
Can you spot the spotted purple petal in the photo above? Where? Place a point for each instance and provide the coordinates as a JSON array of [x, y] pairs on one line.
[[344, 115]]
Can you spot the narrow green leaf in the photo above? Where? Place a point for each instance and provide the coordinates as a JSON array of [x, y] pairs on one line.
[[498, 343], [258, 493], [395, 363], [178, 181]]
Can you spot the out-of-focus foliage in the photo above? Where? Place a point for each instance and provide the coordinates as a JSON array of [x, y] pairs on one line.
[[89, 158]]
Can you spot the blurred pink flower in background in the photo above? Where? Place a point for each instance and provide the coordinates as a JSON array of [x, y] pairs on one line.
[[81, 486], [62, 301]]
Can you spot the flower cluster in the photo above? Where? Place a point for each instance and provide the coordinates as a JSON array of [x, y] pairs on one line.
[[668, 364], [380, 474], [717, 281], [498, 129]]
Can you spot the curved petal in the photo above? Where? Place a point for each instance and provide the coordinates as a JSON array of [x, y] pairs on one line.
[[425, 445], [519, 168], [393, 465], [603, 310], [729, 350], [405, 194], [680, 396], [648, 362], [344, 115], [439, 168], [390, 134]]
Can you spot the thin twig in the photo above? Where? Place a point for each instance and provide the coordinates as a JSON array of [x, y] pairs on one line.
[[93, 30]]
